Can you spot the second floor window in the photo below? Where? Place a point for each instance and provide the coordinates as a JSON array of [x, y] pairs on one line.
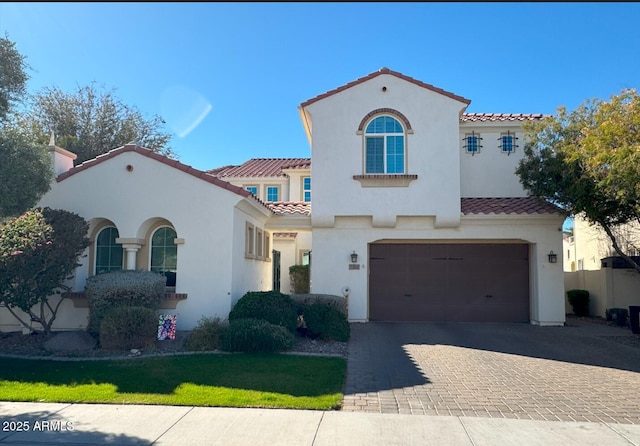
[[253, 190], [508, 142], [272, 193], [306, 189], [384, 146]]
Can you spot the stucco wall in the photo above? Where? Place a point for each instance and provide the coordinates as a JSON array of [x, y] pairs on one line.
[[608, 288], [201, 213], [490, 173], [432, 153], [332, 248]]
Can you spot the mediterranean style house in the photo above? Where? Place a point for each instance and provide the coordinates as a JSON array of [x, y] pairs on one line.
[[417, 215]]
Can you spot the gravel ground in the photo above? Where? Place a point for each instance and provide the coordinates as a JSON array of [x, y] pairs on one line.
[[33, 345]]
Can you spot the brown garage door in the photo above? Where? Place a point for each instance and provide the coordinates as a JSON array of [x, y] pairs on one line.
[[449, 282]]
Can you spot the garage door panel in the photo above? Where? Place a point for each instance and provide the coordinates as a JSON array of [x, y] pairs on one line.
[[456, 282]]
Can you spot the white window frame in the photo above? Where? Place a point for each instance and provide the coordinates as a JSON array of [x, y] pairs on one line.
[[95, 250], [266, 193], [151, 246], [384, 136], [304, 190]]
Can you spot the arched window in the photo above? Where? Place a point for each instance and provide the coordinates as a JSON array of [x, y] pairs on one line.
[[384, 146], [108, 252], [164, 253]]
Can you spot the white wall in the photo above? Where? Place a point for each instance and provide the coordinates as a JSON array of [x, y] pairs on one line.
[[432, 153], [490, 173], [201, 213], [332, 247]]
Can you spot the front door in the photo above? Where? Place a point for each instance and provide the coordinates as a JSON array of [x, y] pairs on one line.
[[276, 270]]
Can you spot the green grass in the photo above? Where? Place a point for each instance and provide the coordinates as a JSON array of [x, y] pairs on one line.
[[239, 380]]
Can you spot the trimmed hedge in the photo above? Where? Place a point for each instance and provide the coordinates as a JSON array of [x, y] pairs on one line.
[[272, 306], [579, 300], [325, 321], [124, 328], [256, 336], [308, 299], [207, 335], [122, 289]]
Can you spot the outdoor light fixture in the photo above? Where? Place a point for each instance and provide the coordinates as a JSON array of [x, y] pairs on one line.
[[354, 257], [553, 257]]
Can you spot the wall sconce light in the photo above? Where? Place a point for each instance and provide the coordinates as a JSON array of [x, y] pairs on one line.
[[354, 257], [553, 257]]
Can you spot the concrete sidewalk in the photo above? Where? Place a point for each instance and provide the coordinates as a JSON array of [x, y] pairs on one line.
[[99, 424]]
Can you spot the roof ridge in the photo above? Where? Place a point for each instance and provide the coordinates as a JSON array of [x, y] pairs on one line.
[[385, 70]]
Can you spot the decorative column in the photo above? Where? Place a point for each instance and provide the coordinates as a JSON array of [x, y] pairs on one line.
[[131, 247]]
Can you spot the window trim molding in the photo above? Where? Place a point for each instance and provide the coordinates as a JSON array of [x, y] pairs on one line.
[[266, 193], [384, 136], [385, 111], [249, 241]]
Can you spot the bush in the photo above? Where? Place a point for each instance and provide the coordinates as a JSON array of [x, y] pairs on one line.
[[122, 289], [579, 300], [272, 306], [207, 335], [338, 302], [256, 336], [617, 316], [325, 321], [300, 278], [124, 328]]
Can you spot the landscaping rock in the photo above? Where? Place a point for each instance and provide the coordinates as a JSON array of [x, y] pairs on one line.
[[69, 341]]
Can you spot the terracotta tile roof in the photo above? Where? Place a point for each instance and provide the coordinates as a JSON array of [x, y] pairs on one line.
[[473, 117], [163, 159], [289, 207], [384, 70], [261, 167], [509, 205]]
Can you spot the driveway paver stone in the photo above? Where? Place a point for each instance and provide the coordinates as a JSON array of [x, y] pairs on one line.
[[579, 372]]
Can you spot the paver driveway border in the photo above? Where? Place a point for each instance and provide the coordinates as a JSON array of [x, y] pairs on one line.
[[580, 372]]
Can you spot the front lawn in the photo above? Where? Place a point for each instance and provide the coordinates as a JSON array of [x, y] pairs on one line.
[[238, 380]]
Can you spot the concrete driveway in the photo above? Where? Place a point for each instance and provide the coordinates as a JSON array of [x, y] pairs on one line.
[[581, 372]]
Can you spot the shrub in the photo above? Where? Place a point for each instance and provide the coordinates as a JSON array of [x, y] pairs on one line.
[[338, 302], [256, 336], [39, 252], [579, 300], [124, 328], [272, 306], [618, 316], [300, 280], [325, 321], [122, 289], [206, 335]]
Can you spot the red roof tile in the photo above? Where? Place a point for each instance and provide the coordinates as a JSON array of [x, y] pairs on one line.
[[261, 167], [163, 159], [375, 74], [472, 117], [289, 207], [508, 205]]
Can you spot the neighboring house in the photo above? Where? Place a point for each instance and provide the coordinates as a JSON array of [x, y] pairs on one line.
[[417, 214], [591, 263]]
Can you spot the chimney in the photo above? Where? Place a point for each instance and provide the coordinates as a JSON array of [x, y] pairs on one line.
[[62, 159]]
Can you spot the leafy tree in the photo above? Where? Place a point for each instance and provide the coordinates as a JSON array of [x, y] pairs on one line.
[[25, 172], [588, 162], [91, 121], [13, 77], [39, 252]]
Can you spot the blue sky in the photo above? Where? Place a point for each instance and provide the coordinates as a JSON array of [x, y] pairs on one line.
[[228, 77]]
